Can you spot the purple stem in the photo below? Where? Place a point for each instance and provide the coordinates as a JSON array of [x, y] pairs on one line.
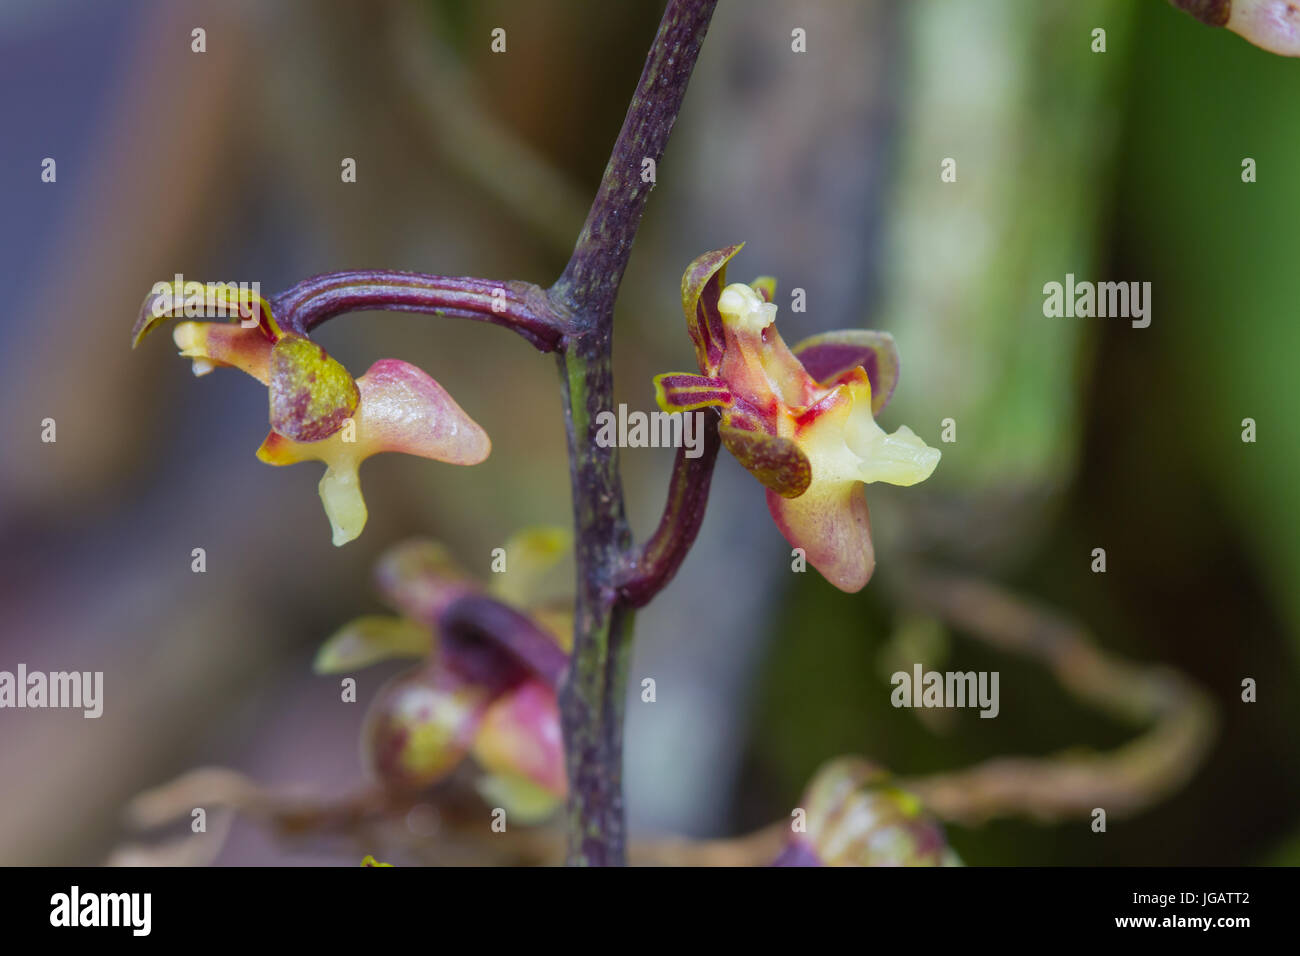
[[649, 570], [591, 279], [592, 698], [520, 306]]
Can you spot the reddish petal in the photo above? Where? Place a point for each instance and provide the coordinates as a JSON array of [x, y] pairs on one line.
[[832, 526], [520, 735]]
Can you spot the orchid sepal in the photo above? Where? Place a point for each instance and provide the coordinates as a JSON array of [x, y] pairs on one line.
[[700, 284], [238, 303]]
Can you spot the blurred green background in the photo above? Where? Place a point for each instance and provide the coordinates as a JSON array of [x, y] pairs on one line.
[[1072, 433]]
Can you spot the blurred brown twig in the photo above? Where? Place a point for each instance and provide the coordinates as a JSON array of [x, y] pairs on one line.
[[1123, 781], [461, 837]]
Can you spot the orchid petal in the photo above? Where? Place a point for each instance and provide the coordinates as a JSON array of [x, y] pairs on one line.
[[829, 356], [403, 409], [843, 441], [900, 458], [684, 392], [832, 526], [520, 736]]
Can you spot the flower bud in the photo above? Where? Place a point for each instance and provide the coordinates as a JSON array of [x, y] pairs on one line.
[[854, 817], [420, 726]]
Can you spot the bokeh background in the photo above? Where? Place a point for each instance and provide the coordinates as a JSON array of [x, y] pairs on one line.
[[1072, 433]]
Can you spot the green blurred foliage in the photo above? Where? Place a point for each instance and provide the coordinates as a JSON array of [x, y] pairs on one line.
[[1124, 167]]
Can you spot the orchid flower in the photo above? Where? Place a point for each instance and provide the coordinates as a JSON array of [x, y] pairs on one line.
[[467, 697], [801, 420], [854, 816], [317, 410]]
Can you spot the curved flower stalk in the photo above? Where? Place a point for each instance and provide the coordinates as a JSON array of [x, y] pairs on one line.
[[318, 412], [486, 683], [854, 817], [801, 420], [1272, 25]]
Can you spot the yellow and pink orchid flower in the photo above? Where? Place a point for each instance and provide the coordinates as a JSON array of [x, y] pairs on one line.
[[801, 420], [465, 698], [318, 412], [854, 815]]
